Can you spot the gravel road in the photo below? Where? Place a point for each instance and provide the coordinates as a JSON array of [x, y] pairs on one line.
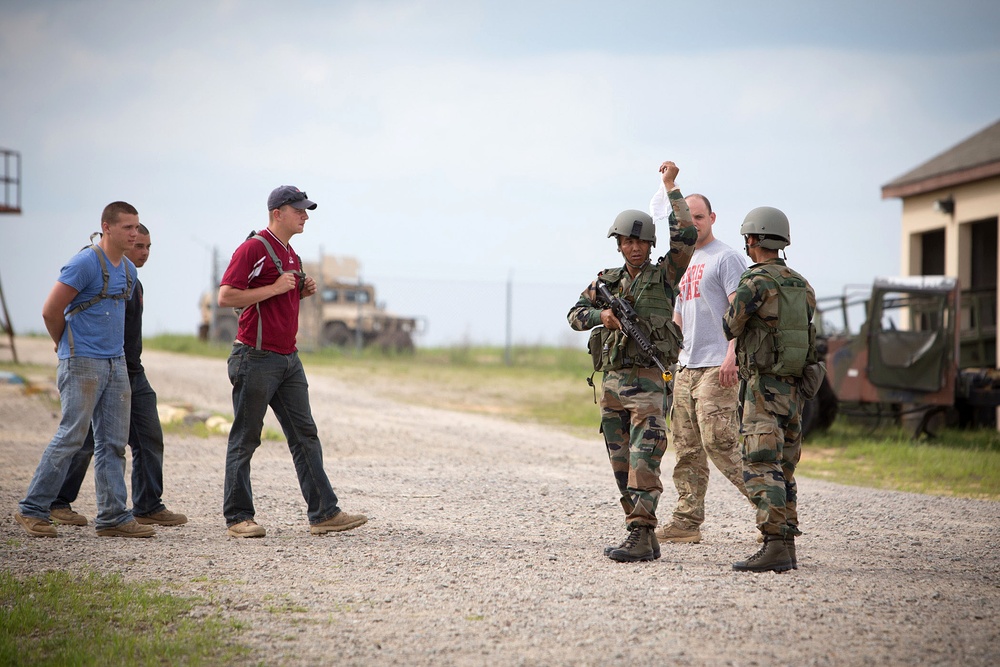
[[484, 547]]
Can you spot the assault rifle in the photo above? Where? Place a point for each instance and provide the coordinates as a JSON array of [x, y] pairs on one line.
[[629, 319]]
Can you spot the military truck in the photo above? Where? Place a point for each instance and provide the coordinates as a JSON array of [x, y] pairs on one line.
[[925, 356], [344, 313]]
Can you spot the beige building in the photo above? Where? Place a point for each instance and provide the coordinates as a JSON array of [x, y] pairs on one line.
[[951, 205]]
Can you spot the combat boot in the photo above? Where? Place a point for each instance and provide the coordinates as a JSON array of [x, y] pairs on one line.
[[637, 546], [772, 557], [655, 544], [790, 546], [675, 533]]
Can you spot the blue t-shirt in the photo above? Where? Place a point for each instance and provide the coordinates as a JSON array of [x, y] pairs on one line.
[[99, 331]]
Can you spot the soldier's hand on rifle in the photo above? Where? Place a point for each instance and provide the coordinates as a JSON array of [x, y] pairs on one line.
[[609, 320]]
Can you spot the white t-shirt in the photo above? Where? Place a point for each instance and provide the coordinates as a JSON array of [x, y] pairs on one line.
[[712, 275]]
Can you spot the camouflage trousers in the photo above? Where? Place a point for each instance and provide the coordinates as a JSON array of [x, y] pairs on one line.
[[771, 425], [633, 405], [703, 425]]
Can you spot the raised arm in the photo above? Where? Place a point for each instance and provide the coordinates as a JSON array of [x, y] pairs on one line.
[[682, 240]]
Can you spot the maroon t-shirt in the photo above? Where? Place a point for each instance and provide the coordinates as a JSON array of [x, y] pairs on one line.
[[252, 266]]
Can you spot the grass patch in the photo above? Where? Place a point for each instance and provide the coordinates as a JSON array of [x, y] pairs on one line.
[[187, 345], [539, 384], [58, 618], [957, 462]]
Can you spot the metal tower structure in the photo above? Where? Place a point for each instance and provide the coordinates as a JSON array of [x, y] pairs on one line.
[[10, 180]]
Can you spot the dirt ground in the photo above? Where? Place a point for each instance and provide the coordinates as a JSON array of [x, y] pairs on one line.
[[484, 547]]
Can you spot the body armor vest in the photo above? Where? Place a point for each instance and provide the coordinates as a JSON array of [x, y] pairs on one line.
[[784, 349], [612, 350]]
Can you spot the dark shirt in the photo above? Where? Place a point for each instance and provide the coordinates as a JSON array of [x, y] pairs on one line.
[[133, 331]]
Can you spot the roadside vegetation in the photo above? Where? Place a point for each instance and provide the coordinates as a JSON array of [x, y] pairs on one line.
[[60, 618], [548, 385], [956, 462]]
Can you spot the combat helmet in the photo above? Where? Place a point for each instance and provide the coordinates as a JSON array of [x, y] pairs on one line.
[[770, 223], [634, 224]]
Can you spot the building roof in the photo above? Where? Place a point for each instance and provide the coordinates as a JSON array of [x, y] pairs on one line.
[[975, 158]]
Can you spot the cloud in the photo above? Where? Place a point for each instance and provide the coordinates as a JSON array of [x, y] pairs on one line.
[[432, 157]]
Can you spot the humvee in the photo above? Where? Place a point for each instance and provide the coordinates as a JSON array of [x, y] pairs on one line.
[[344, 313], [924, 356]]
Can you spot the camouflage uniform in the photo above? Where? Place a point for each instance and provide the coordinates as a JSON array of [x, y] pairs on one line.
[[771, 407], [633, 393], [703, 424]]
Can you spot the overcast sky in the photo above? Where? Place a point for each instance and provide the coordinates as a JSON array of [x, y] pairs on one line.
[[474, 140]]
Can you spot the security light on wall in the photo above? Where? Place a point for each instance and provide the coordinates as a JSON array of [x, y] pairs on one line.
[[946, 205]]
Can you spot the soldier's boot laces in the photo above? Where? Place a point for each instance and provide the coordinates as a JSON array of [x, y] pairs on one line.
[[655, 543], [772, 557], [636, 547]]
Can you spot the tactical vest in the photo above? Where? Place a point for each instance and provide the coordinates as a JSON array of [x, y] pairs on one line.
[[611, 349], [785, 349]]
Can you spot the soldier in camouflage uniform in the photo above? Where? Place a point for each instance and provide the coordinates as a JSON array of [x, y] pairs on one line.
[[771, 319], [633, 391]]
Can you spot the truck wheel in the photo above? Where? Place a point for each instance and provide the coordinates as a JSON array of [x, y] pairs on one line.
[[225, 330], [808, 419], [336, 333], [394, 341], [402, 342]]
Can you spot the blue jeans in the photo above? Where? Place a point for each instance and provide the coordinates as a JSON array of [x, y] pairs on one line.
[[145, 438], [261, 378], [91, 391]]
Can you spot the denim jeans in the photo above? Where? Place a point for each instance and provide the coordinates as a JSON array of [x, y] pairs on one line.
[[261, 378], [91, 391], [145, 438]]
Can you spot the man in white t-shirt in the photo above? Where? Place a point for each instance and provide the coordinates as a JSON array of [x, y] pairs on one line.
[[703, 421]]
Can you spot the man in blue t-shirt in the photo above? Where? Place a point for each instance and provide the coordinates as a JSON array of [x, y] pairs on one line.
[[145, 435], [85, 316]]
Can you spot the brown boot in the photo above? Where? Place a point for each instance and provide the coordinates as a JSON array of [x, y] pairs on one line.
[[162, 518], [790, 546], [675, 533], [67, 516], [772, 557], [636, 547]]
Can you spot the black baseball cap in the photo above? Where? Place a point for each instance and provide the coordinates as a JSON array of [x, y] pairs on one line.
[[291, 195]]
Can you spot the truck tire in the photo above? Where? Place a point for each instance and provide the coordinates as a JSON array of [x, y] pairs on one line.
[[225, 330], [819, 412], [337, 333], [402, 342]]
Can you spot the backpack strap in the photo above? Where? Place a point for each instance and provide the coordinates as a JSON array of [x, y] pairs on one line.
[[105, 278], [277, 263]]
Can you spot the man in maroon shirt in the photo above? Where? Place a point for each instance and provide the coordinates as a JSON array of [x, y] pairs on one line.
[[265, 280]]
